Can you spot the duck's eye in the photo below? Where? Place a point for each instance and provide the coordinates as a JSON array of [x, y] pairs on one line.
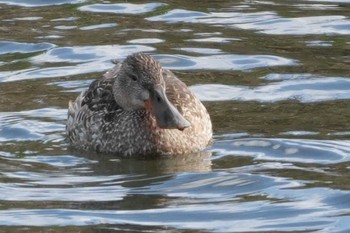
[[133, 77]]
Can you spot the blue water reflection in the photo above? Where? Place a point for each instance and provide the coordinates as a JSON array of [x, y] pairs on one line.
[[222, 62], [7, 47], [98, 58], [265, 22], [121, 8], [258, 66], [291, 150], [301, 87], [284, 209], [99, 26], [38, 3]]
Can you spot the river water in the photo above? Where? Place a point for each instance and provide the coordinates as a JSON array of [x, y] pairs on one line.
[[274, 76]]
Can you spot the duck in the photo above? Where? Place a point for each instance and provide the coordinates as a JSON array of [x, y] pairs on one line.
[[138, 108]]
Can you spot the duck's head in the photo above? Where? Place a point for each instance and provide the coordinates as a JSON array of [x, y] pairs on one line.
[[140, 85]]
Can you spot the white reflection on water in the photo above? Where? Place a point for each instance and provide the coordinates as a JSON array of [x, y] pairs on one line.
[[301, 87], [79, 54], [121, 8], [212, 200], [309, 209], [249, 184], [99, 26], [299, 133], [330, 1], [55, 161], [7, 47], [214, 40], [28, 130], [316, 6], [91, 59], [222, 62], [13, 192], [17, 126], [265, 22], [288, 150], [146, 41], [49, 113], [33, 18], [98, 59], [38, 3], [318, 43], [200, 50]]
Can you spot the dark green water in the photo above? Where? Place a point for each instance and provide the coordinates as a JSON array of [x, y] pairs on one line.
[[274, 76]]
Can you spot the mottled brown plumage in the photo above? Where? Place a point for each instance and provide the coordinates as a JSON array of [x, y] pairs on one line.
[[126, 113]]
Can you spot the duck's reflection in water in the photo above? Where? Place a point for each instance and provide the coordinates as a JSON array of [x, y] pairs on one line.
[[155, 166]]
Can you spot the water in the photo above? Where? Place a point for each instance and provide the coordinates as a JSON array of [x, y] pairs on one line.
[[274, 76]]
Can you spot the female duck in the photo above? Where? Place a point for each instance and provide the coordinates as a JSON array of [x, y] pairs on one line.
[[138, 108]]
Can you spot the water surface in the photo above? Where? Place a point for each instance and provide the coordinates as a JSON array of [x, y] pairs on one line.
[[274, 76]]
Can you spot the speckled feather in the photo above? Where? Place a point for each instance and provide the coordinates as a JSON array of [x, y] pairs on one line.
[[97, 123]]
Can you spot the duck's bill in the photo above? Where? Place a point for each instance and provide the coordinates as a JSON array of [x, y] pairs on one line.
[[167, 116]]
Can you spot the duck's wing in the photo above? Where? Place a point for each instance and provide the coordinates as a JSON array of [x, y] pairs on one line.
[[98, 98], [99, 95]]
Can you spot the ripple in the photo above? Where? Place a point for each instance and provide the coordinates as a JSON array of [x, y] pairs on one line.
[[282, 206], [201, 50], [30, 18], [174, 61], [70, 18], [55, 114], [299, 133], [302, 87], [207, 33], [55, 161], [65, 27], [28, 130], [146, 41], [303, 26], [331, 1], [73, 86], [214, 40], [346, 133], [67, 180], [316, 6], [244, 183], [148, 30], [91, 59], [265, 22], [19, 133], [99, 26], [54, 72], [15, 126], [49, 37], [97, 59], [222, 62], [289, 150], [37, 3], [7, 47], [216, 186], [122, 8], [12, 192], [78, 54], [177, 15], [318, 43]]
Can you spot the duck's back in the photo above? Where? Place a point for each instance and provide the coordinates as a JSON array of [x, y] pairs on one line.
[[96, 122]]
